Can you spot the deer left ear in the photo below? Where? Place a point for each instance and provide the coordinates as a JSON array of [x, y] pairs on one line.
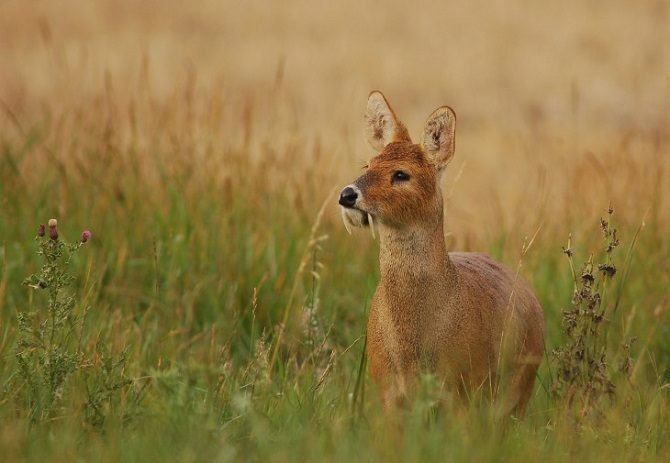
[[439, 136], [381, 124]]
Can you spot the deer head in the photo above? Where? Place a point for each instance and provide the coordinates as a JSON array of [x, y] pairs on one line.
[[400, 186]]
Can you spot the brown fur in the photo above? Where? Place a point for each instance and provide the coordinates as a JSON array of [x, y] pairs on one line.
[[462, 316]]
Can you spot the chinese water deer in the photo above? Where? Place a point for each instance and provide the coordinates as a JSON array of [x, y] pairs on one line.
[[463, 317]]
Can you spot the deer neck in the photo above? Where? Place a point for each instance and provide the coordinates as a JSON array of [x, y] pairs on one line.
[[415, 266]]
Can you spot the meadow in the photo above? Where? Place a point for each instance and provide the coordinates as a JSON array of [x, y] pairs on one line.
[[218, 312]]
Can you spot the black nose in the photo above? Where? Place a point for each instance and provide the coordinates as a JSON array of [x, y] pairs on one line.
[[348, 197]]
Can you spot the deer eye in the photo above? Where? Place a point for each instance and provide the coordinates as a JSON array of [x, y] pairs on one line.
[[399, 176]]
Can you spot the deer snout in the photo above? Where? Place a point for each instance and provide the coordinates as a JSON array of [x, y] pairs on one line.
[[348, 197]]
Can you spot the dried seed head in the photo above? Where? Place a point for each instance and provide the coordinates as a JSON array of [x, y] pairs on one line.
[[53, 223], [608, 270], [85, 236], [587, 277]]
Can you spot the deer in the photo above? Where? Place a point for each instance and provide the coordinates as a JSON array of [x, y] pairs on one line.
[[463, 317]]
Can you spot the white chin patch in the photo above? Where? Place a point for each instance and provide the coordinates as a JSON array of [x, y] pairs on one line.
[[356, 218], [353, 218]]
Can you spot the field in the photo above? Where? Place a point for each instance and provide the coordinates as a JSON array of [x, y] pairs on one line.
[[219, 308]]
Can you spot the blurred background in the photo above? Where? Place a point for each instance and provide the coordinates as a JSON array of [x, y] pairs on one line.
[[503, 63]]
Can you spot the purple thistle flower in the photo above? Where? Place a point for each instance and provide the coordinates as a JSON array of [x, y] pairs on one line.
[[85, 236], [53, 229], [41, 231]]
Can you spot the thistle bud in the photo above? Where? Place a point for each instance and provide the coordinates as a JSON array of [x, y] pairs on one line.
[[53, 229], [41, 231], [85, 236]]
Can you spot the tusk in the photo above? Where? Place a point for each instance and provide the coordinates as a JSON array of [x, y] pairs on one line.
[[372, 226], [345, 221]]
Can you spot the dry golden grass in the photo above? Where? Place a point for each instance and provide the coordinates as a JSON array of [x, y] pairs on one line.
[[556, 101]]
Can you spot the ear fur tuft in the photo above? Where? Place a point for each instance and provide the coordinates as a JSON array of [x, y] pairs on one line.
[[439, 136]]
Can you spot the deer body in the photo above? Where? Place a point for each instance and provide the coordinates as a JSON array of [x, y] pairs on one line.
[[464, 317]]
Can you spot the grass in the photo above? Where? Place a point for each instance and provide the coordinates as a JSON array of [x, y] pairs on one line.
[[225, 312]]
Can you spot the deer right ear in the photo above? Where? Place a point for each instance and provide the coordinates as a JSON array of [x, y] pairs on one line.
[[381, 124], [439, 136]]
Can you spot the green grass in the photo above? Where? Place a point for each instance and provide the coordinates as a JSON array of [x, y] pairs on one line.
[[200, 259]]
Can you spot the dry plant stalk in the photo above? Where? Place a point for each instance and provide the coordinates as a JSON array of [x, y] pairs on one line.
[[583, 365]]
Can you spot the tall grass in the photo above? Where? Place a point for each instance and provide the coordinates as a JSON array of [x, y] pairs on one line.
[[230, 306]]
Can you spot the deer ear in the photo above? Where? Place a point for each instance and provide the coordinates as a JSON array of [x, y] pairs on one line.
[[381, 124], [439, 136]]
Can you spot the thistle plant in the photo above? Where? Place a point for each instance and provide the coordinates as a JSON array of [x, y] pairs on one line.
[[49, 349]]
